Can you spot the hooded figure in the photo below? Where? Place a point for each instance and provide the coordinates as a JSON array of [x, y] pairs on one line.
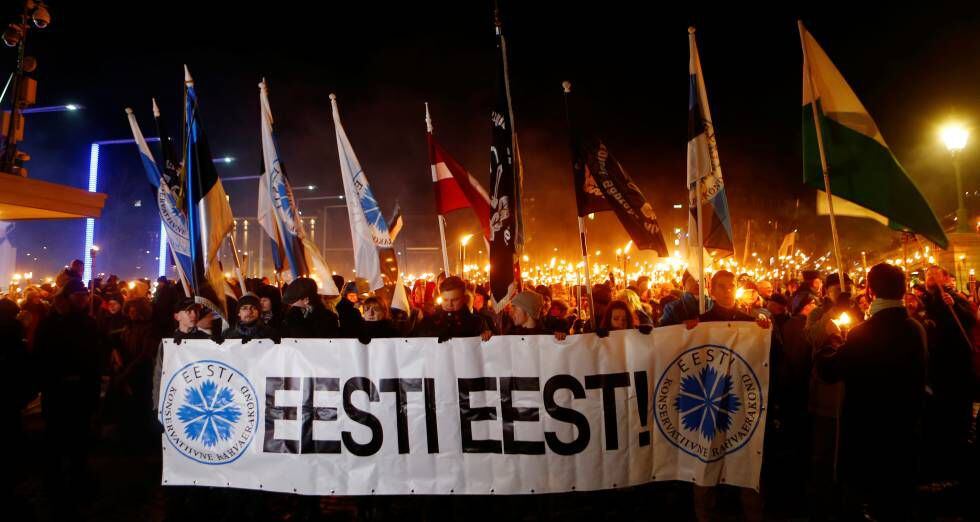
[[270, 306], [307, 316], [249, 324]]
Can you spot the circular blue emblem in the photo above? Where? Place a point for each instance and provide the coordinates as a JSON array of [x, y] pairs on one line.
[[708, 402], [209, 412]]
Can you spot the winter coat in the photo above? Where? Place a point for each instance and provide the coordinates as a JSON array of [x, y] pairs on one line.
[[314, 323], [883, 367], [446, 325], [255, 330]]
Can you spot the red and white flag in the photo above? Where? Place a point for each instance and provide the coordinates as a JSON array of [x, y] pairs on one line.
[[456, 188]]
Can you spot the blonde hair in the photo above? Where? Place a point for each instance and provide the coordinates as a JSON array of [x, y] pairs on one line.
[[631, 299]]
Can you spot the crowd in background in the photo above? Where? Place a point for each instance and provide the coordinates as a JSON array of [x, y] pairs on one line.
[[872, 383]]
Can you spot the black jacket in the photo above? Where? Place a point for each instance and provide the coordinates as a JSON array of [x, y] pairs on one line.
[[883, 367], [540, 329], [70, 360], [254, 330], [384, 329], [446, 325], [319, 323], [719, 314], [950, 364]]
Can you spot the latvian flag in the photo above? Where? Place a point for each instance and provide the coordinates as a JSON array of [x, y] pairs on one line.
[[456, 188]]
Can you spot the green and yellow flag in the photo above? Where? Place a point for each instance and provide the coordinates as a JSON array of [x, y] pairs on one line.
[[861, 167]]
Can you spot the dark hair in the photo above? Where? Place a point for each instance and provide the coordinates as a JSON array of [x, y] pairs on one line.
[[560, 305], [452, 283], [374, 300], [886, 281], [618, 305], [719, 274]]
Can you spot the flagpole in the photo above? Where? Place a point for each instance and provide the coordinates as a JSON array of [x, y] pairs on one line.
[[703, 102], [583, 237], [823, 161], [518, 188], [439, 217], [748, 234], [701, 278]]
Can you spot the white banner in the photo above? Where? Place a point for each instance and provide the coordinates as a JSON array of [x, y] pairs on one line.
[[510, 416]]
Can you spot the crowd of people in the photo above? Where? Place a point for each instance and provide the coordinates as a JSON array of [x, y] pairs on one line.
[[872, 382]]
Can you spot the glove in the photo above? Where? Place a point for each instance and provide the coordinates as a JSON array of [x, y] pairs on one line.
[[444, 339], [364, 339], [246, 340], [602, 332], [645, 329]]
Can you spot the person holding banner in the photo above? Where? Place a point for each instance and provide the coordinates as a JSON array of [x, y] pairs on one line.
[[725, 306], [725, 309], [454, 318], [376, 323], [685, 308], [525, 313], [250, 324], [307, 316]]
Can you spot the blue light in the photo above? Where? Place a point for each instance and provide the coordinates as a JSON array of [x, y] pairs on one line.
[[162, 267], [71, 107], [93, 181]]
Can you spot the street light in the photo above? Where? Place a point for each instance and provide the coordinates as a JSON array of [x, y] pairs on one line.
[[463, 241], [955, 136]]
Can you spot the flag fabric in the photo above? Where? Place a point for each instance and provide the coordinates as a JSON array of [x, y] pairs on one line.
[[369, 230], [788, 245], [167, 163], [861, 167], [209, 217], [173, 219], [395, 222], [843, 207], [505, 273], [589, 197], [704, 165], [8, 254], [276, 200], [456, 188], [399, 299], [612, 188], [266, 216]]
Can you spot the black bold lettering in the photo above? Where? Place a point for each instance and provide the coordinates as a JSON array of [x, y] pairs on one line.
[[401, 387], [510, 415], [578, 445], [608, 382], [311, 413], [274, 412], [362, 417], [468, 415], [431, 426]]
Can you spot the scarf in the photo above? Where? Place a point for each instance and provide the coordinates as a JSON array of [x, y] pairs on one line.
[[880, 304]]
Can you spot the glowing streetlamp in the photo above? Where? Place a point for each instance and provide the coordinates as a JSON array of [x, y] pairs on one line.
[[463, 241], [954, 137]]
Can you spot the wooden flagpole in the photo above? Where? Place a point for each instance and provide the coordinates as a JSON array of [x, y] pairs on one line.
[[439, 217], [823, 162]]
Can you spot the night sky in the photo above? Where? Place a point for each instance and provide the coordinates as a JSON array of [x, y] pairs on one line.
[[627, 62]]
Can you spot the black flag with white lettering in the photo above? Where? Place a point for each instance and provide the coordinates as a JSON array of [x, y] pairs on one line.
[[504, 267], [598, 173]]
